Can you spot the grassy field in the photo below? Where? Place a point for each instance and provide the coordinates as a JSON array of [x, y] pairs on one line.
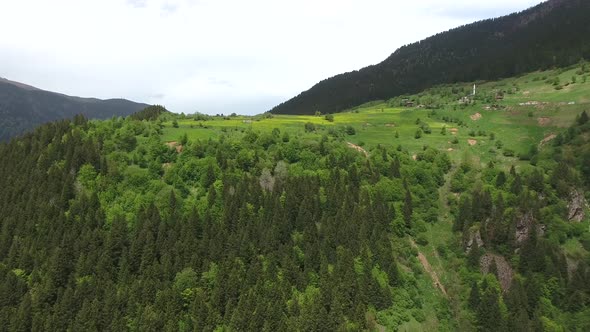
[[532, 108]]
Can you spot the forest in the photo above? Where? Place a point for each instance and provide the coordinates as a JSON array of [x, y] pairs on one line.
[[107, 227], [553, 33]]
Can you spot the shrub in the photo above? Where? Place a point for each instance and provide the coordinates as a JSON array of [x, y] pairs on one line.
[[418, 134], [350, 130], [422, 240]]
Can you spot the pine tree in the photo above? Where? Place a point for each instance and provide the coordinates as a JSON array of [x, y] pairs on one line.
[[407, 207]]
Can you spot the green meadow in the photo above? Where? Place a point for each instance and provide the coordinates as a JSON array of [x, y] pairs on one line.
[[503, 121]]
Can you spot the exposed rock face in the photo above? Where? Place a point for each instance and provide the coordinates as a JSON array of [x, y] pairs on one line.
[[505, 272], [576, 206], [523, 226], [474, 237]]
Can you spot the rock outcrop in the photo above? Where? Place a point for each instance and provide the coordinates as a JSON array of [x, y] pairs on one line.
[[523, 227], [524, 224], [474, 237], [504, 269], [576, 206]]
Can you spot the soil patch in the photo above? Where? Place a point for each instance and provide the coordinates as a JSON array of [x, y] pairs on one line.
[[428, 268], [471, 142], [358, 148], [547, 139], [544, 121], [476, 116], [390, 125], [454, 131], [175, 145]]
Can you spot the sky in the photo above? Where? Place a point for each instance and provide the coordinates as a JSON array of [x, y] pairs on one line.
[[214, 56]]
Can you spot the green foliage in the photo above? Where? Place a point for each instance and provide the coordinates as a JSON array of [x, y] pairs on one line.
[[418, 134], [249, 231], [350, 130], [450, 57]]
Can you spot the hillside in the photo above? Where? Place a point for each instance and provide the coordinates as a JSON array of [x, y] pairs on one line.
[[23, 107], [161, 221], [553, 33]]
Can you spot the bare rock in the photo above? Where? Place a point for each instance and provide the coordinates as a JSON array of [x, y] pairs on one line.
[[524, 224], [474, 237], [576, 206], [523, 227], [505, 272]]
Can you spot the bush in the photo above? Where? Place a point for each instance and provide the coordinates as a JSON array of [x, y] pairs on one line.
[[350, 130], [309, 127], [329, 117], [422, 240], [441, 249], [419, 315], [508, 153], [418, 134]]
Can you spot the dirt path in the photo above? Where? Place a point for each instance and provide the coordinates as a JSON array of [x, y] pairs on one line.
[[547, 139], [428, 268], [358, 148]]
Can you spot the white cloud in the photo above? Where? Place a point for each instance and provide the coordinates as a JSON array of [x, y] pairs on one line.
[[213, 55]]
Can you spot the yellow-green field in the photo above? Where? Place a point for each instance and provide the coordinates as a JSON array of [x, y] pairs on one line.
[[547, 110]]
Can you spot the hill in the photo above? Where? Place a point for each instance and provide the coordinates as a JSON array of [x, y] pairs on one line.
[[161, 221], [551, 34], [23, 107]]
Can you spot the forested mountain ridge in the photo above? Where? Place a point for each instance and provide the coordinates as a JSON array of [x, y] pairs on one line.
[[23, 107], [553, 33]]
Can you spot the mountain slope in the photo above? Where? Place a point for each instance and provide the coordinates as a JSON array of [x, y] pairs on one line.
[[553, 33], [23, 107]]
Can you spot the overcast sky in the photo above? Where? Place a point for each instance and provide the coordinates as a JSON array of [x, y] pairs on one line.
[[213, 56]]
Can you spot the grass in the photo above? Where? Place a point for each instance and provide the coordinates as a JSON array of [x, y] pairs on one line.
[[516, 126]]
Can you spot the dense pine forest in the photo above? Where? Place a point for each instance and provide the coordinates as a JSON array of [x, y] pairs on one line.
[[105, 231], [553, 33], [107, 227]]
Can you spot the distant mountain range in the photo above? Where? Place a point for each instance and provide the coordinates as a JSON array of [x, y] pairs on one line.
[[23, 107], [552, 34]]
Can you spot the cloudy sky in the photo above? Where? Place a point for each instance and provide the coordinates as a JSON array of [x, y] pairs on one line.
[[213, 56]]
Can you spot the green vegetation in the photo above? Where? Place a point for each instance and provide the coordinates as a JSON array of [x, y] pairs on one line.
[[486, 50], [255, 230], [466, 214]]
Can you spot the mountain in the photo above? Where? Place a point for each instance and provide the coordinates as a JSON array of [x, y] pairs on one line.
[[23, 107], [551, 34]]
